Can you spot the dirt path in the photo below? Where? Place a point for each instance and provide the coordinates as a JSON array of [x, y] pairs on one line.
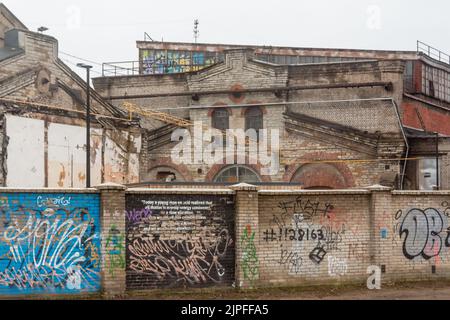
[[422, 291]]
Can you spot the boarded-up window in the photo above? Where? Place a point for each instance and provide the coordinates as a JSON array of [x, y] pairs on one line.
[[428, 173], [221, 119]]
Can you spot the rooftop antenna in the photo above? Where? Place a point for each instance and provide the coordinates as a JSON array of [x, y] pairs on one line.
[[147, 36], [196, 30]]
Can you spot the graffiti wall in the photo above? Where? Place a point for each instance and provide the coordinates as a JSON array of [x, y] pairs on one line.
[[417, 235], [49, 243], [310, 238], [179, 241], [171, 61]]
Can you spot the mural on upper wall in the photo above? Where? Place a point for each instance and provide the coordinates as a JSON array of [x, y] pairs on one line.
[[425, 233], [179, 241], [168, 61], [49, 243]]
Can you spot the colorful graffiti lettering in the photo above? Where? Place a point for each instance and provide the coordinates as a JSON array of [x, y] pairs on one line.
[[250, 263], [168, 61], [49, 243], [115, 250], [136, 216]]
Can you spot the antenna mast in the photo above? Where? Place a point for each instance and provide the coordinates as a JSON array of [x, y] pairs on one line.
[[196, 30]]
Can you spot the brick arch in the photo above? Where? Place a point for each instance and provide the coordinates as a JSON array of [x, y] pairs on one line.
[[167, 162], [219, 104], [255, 104], [217, 168], [332, 175]]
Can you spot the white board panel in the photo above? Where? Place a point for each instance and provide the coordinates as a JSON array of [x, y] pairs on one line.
[[25, 163], [67, 156]]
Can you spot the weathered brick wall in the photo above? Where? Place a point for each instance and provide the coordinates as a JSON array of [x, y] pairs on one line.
[[179, 239], [313, 237], [412, 233], [112, 240], [49, 242], [373, 117]]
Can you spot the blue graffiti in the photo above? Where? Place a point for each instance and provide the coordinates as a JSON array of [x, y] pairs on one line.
[[49, 243]]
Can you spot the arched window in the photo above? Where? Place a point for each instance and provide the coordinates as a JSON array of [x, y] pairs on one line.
[[236, 174], [254, 119], [221, 119]]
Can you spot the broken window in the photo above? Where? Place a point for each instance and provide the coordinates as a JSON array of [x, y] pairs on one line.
[[427, 174], [432, 92], [166, 176], [221, 119]]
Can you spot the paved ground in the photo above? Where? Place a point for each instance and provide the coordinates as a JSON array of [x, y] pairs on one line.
[[422, 291]]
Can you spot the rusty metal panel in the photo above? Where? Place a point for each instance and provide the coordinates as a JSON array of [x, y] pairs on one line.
[[122, 157]]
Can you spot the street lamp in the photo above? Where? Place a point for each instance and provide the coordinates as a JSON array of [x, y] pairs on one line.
[[88, 122]]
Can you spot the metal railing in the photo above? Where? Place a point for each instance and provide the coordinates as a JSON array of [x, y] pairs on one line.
[[433, 52], [123, 68]]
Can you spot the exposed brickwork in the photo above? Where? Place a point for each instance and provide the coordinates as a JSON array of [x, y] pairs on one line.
[[435, 120], [247, 244], [375, 227], [113, 239], [240, 71]]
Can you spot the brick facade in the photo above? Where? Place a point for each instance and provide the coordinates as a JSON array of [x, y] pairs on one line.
[[362, 128]]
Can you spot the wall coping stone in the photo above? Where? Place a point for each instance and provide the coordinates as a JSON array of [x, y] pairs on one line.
[[48, 190], [179, 191], [421, 193], [379, 188], [111, 186], [314, 192], [244, 187]]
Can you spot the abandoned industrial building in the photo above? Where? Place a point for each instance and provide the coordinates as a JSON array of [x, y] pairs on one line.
[[237, 167], [347, 118]]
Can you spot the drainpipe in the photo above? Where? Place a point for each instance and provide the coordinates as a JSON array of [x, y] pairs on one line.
[[394, 104]]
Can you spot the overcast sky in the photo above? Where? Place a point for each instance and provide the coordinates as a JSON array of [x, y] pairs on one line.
[[106, 30]]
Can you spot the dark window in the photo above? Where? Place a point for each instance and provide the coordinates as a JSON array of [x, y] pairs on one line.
[[432, 92], [165, 176], [254, 119], [221, 119]]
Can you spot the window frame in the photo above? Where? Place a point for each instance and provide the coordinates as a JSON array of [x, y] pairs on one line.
[[215, 119]]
